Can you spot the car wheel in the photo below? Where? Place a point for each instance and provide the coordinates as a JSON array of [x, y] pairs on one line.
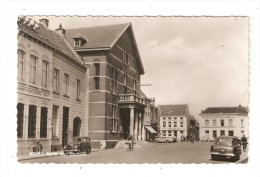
[[213, 157], [156, 141]]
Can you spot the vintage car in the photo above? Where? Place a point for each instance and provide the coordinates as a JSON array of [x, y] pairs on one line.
[[80, 144], [227, 147], [165, 140]]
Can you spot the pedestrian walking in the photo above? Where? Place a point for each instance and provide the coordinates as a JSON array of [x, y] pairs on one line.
[[182, 138], [244, 142]]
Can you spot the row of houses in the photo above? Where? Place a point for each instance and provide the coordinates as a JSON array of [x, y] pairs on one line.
[[86, 82], [176, 120]]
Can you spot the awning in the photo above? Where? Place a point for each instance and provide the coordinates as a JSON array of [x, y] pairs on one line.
[[150, 129]]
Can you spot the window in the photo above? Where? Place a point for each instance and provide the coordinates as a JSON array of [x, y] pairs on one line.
[[242, 123], [32, 121], [214, 133], [134, 90], [169, 133], [164, 124], [56, 81], [21, 56], [164, 133], [125, 83], [114, 118], [175, 124], [78, 89], [222, 123], [96, 80], [181, 124], [43, 125], [97, 69], [20, 114], [125, 57], [44, 74], [175, 118], [214, 123], [114, 80], [169, 118], [230, 122], [77, 42], [66, 83], [206, 123], [181, 118], [169, 124], [230, 133], [33, 69], [222, 132], [164, 118], [55, 112]]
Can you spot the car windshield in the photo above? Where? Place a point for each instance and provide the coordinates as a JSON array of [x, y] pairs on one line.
[[224, 141]]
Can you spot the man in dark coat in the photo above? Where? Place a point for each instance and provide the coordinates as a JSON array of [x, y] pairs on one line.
[[244, 142]]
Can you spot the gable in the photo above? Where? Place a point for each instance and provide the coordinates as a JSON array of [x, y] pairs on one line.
[[126, 43]]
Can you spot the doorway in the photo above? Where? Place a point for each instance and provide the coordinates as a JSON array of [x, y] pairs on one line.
[[65, 126]]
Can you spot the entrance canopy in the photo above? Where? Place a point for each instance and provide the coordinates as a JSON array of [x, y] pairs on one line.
[[150, 129]]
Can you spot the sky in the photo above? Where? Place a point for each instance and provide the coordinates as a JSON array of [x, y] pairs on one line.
[[199, 61]]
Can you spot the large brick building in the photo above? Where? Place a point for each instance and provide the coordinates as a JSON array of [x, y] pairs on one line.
[[116, 104]]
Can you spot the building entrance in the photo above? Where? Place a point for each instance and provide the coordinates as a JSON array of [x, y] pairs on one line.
[[65, 126], [125, 122]]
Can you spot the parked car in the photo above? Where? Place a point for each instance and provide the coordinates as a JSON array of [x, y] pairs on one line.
[[228, 147], [164, 140], [80, 144]]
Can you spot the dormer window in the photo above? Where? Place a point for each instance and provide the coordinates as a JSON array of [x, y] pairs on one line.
[[79, 40]]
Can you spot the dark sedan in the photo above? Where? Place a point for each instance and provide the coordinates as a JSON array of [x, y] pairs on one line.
[[227, 147], [80, 144]]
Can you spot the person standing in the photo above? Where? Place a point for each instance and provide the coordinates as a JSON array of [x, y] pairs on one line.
[[244, 142]]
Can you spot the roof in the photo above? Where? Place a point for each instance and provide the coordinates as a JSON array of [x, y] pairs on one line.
[[102, 38], [226, 110], [98, 36], [49, 37], [173, 109]]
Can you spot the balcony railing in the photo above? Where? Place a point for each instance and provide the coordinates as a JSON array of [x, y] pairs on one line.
[[130, 98]]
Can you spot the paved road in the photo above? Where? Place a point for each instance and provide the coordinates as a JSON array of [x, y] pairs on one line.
[[157, 153]]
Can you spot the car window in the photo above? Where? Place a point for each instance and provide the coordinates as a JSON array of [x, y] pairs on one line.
[[224, 141]]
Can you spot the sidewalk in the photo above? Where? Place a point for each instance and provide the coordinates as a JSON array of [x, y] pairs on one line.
[[243, 157]]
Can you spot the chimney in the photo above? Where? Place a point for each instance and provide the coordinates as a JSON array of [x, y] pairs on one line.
[[61, 31], [45, 22], [240, 105]]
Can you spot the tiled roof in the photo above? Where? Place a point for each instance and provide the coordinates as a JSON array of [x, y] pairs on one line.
[[102, 38], [49, 37], [98, 36], [173, 109], [226, 110]]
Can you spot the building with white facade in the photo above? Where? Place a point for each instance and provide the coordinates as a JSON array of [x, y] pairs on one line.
[[223, 121], [174, 120]]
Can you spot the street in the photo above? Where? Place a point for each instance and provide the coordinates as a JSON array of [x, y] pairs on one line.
[[155, 153]]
